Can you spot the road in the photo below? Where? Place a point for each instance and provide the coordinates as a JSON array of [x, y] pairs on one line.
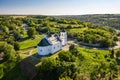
[[66, 47]]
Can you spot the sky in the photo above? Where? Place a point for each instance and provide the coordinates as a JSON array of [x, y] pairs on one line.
[[59, 7]]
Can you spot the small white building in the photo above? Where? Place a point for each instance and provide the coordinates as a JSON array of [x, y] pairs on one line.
[[50, 44]]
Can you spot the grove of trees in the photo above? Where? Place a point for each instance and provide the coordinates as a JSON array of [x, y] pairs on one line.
[[69, 66]]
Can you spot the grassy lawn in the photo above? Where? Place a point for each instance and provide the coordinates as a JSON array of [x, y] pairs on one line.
[[30, 42], [26, 53], [91, 52]]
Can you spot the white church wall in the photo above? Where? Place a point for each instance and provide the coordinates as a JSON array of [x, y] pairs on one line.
[[44, 50], [60, 45], [56, 47]]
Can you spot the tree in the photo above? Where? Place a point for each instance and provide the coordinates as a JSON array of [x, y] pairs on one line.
[[31, 32], [107, 43], [118, 54], [48, 69], [1, 72], [66, 56], [73, 49], [70, 27], [8, 51], [65, 78], [53, 69], [16, 46], [5, 29], [10, 40], [16, 35], [9, 60], [112, 53]]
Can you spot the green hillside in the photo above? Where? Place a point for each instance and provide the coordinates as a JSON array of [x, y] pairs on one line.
[[112, 20], [19, 36]]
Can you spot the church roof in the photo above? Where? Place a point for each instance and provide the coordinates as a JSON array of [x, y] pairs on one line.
[[53, 39], [44, 42], [63, 30], [49, 40]]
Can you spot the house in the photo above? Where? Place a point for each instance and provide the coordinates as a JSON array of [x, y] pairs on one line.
[[50, 44]]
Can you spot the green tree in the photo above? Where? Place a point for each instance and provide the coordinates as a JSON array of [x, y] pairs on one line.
[[31, 32], [118, 54], [16, 46], [1, 72], [16, 35], [5, 29], [70, 27], [49, 69], [9, 51], [65, 78], [10, 40], [66, 56], [112, 53], [73, 49]]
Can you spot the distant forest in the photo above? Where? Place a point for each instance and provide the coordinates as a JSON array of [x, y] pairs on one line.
[[112, 20]]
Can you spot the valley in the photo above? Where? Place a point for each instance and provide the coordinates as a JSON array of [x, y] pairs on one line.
[[92, 51]]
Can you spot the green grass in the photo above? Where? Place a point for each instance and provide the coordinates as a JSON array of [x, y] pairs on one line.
[[30, 42], [93, 58], [91, 52]]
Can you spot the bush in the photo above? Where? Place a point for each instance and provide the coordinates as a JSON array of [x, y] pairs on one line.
[[66, 56], [16, 46], [31, 32]]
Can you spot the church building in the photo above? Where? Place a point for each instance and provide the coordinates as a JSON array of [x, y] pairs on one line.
[[50, 44]]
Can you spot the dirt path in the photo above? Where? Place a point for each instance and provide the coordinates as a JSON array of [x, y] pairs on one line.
[[69, 42], [117, 46], [66, 47], [30, 53]]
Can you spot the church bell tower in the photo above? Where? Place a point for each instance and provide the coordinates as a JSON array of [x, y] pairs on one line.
[[63, 37]]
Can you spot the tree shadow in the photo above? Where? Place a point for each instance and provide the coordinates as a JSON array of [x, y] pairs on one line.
[[28, 71], [19, 73], [35, 58], [23, 39]]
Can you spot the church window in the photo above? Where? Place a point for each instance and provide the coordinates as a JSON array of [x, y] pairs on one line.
[[40, 50]]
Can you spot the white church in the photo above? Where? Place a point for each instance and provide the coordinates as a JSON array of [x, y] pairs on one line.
[[50, 44]]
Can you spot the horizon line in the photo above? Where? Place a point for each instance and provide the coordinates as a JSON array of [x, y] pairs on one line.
[[55, 14]]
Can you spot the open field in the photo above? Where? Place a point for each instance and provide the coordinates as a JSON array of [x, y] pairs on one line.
[[19, 16], [30, 42]]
